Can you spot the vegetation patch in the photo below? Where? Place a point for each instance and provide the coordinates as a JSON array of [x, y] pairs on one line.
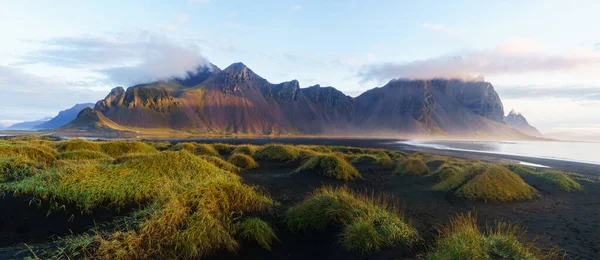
[[223, 147], [161, 146], [43, 158], [77, 145], [520, 169], [16, 168], [561, 180], [368, 223], [277, 152], [330, 166], [496, 183], [81, 155], [256, 230], [243, 161], [188, 146], [453, 174], [462, 239], [221, 164], [247, 149], [118, 148], [413, 165], [206, 149]]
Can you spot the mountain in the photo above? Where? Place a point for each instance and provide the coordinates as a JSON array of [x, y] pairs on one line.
[[30, 125], [63, 117], [237, 100], [517, 121]]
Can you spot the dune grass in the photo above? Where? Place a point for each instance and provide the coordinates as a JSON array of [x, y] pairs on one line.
[[81, 155], [496, 183], [376, 158], [187, 205], [463, 239], [31, 152], [243, 161], [206, 149], [277, 152], [520, 169], [15, 168], [188, 146], [329, 165], [365, 159], [561, 180], [160, 146], [77, 145], [247, 149], [453, 174], [413, 165], [220, 147], [118, 148], [256, 230], [368, 223]]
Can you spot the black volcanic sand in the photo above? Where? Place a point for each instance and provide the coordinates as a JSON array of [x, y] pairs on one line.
[[568, 220]]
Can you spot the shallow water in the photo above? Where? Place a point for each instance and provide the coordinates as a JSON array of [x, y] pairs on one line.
[[586, 152]]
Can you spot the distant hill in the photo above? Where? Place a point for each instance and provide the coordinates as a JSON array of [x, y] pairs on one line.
[[63, 117], [236, 100], [30, 125], [518, 121]]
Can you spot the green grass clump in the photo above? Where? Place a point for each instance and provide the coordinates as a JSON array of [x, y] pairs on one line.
[[118, 148], [365, 159], [462, 239], [378, 158], [330, 166], [348, 150], [243, 161], [453, 174], [221, 164], [368, 224], [223, 147], [161, 146], [76, 145], [496, 183], [413, 165], [43, 158], [256, 230], [188, 146], [561, 180], [277, 152], [247, 149], [206, 149], [520, 169], [81, 155], [15, 168]]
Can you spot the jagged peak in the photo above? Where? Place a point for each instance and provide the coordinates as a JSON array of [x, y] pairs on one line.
[[514, 112], [240, 71]]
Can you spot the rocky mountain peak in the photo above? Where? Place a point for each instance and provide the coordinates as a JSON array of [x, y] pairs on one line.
[[240, 72]]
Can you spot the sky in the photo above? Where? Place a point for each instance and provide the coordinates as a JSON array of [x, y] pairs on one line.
[[543, 57]]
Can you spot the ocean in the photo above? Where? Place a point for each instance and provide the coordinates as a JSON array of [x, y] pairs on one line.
[[585, 152]]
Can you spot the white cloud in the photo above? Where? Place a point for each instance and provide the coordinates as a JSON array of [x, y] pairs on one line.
[[296, 7], [518, 56]]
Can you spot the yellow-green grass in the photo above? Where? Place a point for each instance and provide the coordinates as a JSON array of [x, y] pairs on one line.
[[520, 169], [277, 152], [14, 168], [81, 155], [32, 152], [463, 239], [246, 149], [256, 230], [161, 146], [187, 204], [452, 174], [222, 164], [496, 183], [223, 147], [348, 150], [76, 145], [365, 159], [368, 223], [413, 165], [561, 180], [188, 146], [243, 161], [118, 148], [329, 165]]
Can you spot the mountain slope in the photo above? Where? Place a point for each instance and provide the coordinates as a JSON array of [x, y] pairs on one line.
[[237, 100], [519, 122], [63, 117], [30, 125]]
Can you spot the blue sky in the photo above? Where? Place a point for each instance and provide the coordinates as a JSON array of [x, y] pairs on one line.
[[542, 56]]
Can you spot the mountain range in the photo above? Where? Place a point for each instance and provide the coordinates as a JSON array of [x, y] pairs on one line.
[[518, 121], [63, 117], [236, 100]]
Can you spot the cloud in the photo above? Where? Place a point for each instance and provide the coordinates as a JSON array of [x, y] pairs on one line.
[[296, 7], [518, 56], [122, 59], [577, 93]]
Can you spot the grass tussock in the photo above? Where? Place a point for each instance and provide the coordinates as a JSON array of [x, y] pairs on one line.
[[221, 164], [160, 146], [206, 149], [521, 170], [223, 147], [81, 155], [561, 180], [16, 168], [118, 148], [463, 239], [31, 152], [453, 174], [496, 183], [277, 152], [247, 149], [243, 161], [331, 166], [368, 223], [413, 165], [77, 145], [378, 158], [256, 230]]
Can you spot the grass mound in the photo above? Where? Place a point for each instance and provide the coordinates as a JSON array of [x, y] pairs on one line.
[[247, 149], [221, 164], [189, 205], [496, 183], [462, 239], [368, 224], [16, 168], [43, 158], [206, 149], [378, 158], [188, 146], [521, 170], [330, 166], [243, 161], [118, 148], [76, 145], [256, 230], [161, 146], [81, 155], [365, 159], [453, 174], [413, 165], [223, 147], [561, 180], [277, 152]]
